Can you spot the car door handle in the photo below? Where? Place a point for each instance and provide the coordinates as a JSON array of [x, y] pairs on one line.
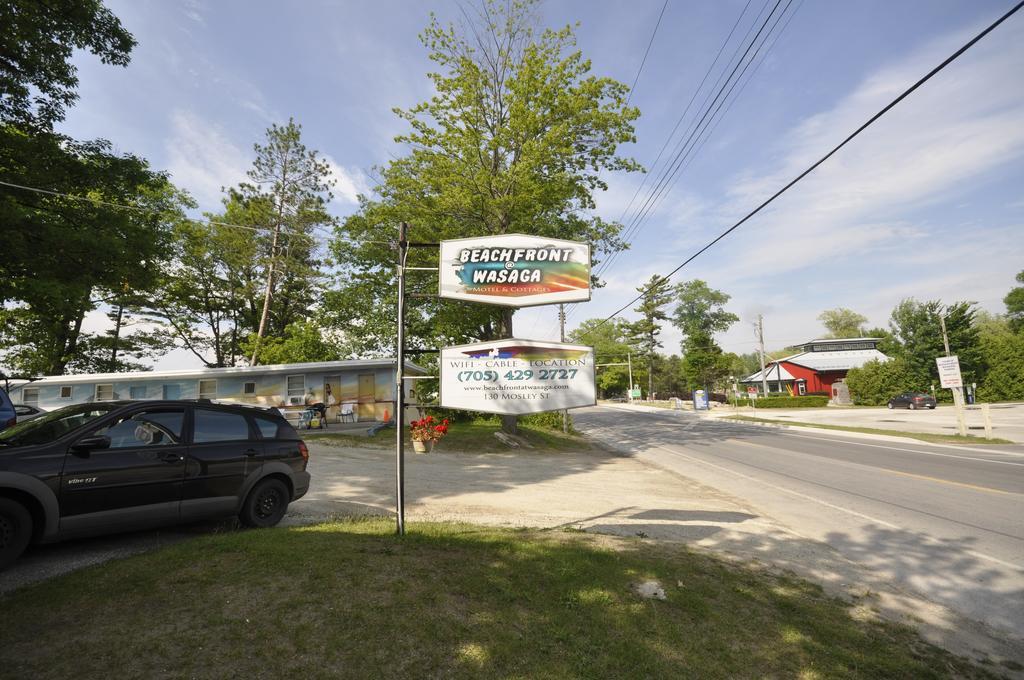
[[251, 452], [171, 457]]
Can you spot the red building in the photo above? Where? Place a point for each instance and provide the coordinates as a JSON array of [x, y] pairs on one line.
[[820, 364]]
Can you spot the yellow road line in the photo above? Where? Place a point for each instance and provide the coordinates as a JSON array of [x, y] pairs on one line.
[[882, 469]]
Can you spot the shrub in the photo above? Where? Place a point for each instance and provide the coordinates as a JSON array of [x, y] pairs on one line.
[[876, 382], [550, 420], [789, 402]]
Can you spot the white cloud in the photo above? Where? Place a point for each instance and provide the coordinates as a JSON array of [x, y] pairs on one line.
[[349, 182], [202, 159]]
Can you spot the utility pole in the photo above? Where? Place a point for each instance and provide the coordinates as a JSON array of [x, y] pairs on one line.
[[561, 325], [629, 362], [399, 416], [958, 394], [760, 340]]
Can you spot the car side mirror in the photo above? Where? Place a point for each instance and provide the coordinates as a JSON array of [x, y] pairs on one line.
[[86, 444]]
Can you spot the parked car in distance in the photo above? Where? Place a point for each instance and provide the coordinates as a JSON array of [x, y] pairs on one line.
[[25, 412], [912, 400], [113, 466], [8, 416]]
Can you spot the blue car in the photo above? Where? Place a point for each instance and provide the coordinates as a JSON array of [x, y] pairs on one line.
[[8, 416]]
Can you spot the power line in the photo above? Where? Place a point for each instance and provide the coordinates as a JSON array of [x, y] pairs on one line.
[[950, 59], [646, 52], [688, 143], [150, 211]]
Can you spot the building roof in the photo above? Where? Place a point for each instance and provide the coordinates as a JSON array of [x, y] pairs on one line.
[[837, 340], [839, 360], [287, 369], [774, 373], [835, 360]]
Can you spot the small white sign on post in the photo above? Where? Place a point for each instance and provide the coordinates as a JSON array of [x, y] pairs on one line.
[[514, 270], [949, 372], [515, 377]]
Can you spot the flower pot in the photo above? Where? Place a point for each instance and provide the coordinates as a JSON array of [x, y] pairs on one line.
[[422, 447]]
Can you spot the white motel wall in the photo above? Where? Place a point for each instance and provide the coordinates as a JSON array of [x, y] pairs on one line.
[[366, 387]]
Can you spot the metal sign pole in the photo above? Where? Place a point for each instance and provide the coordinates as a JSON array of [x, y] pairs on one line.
[[399, 416]]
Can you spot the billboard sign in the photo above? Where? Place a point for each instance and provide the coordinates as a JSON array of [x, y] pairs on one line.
[[949, 371], [516, 377], [515, 270]]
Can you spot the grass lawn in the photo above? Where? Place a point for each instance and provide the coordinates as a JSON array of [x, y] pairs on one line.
[[352, 600], [923, 436], [475, 437]]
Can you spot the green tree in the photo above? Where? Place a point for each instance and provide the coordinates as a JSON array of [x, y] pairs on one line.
[[876, 382], [302, 341], [1003, 352], [916, 326], [208, 298], [644, 333], [37, 41], [843, 323], [64, 257], [1014, 301], [610, 341], [293, 183], [699, 314], [513, 140]]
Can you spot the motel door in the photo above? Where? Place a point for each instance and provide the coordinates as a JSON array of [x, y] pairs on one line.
[[367, 397]]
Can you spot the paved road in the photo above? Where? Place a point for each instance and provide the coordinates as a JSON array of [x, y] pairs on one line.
[[945, 522]]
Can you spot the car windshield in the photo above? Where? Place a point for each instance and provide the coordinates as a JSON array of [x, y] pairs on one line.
[[53, 425]]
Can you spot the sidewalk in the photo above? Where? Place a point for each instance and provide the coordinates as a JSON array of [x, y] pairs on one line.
[[1007, 419]]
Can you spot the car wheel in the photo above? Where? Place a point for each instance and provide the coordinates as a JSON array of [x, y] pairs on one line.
[[266, 504], [15, 531], [932, 407], [912, 406], [890, 405]]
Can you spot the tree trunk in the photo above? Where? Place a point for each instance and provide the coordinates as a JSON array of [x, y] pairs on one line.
[[267, 296]]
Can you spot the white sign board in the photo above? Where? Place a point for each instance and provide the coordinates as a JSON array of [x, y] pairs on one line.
[[949, 372], [514, 270], [514, 376]]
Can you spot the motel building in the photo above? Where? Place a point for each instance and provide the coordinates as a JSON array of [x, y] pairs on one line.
[[356, 391], [819, 368]]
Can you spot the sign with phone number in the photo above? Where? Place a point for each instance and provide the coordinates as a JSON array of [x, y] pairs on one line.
[[514, 376]]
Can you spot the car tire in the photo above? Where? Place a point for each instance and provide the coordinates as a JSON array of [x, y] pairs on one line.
[[891, 405], [932, 407], [266, 504], [911, 406], [15, 531]]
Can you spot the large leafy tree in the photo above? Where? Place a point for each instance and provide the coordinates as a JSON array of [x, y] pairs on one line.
[[610, 340], [514, 140], [843, 323], [1014, 301], [657, 295], [699, 314], [37, 40], [66, 256], [294, 185], [917, 328]]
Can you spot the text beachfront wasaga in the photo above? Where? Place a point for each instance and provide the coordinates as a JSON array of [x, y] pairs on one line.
[[516, 376], [515, 270]]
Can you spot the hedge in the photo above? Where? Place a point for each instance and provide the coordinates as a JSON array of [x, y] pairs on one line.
[[789, 402]]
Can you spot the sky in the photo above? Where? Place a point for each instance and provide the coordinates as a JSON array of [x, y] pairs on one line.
[[927, 203]]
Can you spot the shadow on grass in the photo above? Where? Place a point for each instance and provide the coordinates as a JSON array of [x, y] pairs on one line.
[[352, 600]]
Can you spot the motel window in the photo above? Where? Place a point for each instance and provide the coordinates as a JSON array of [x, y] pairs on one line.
[[249, 389], [65, 391], [296, 386], [105, 392], [208, 388], [30, 396], [137, 392]]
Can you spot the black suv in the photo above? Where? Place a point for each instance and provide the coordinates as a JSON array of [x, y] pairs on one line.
[[119, 465]]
